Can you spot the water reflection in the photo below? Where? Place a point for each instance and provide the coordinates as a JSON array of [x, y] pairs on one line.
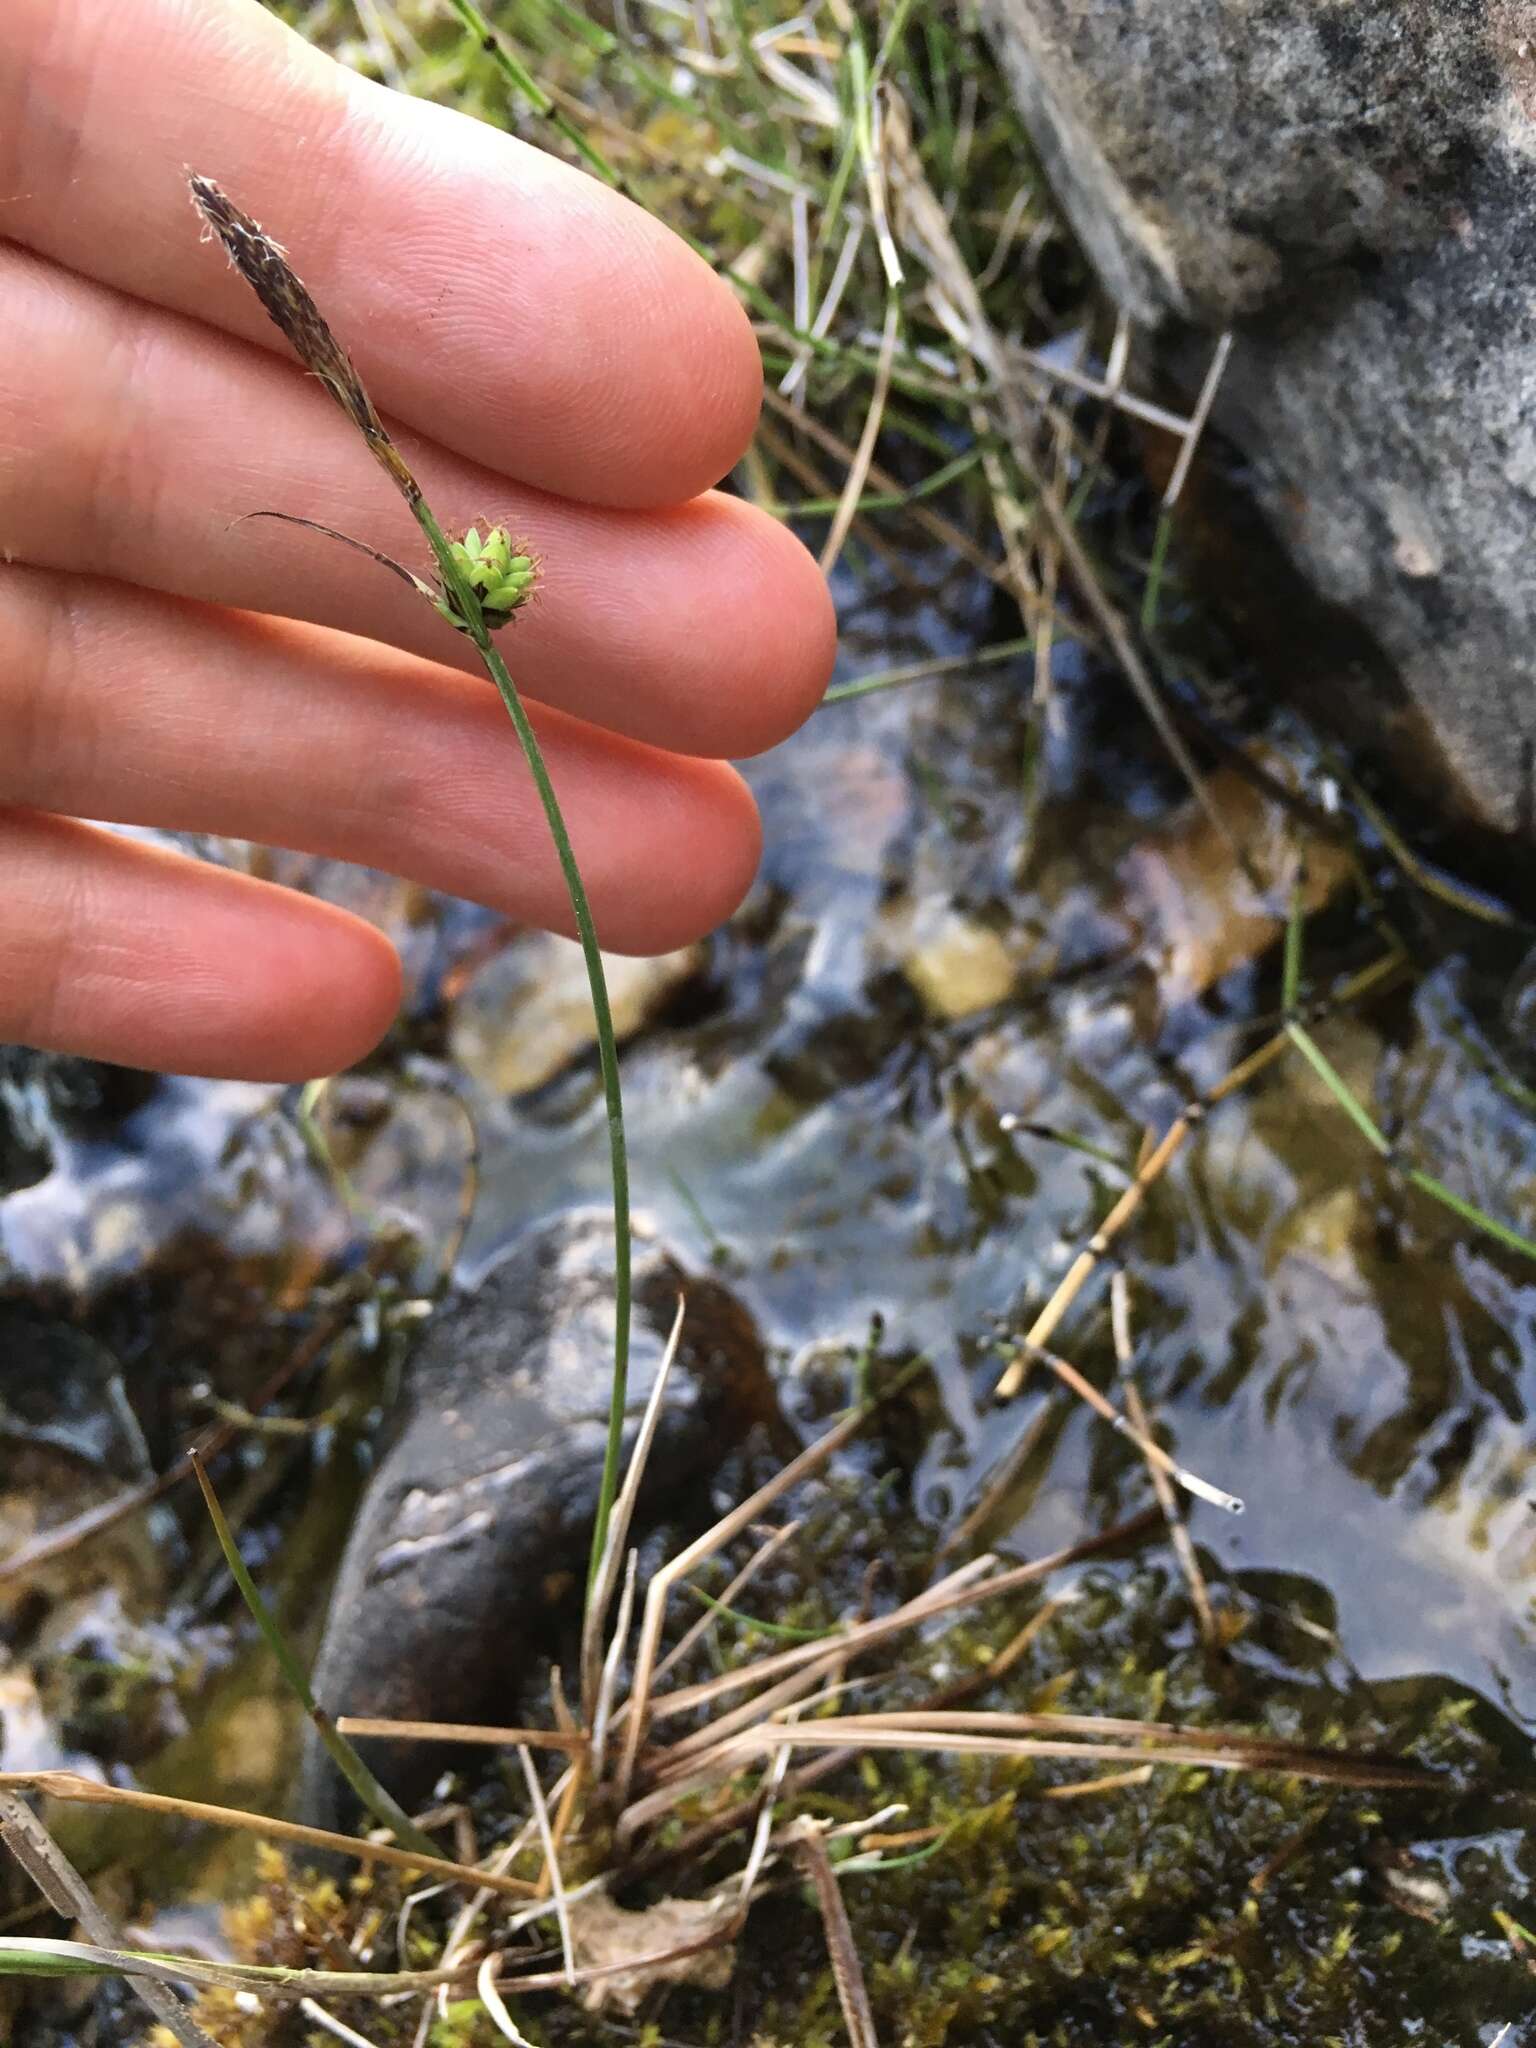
[[967, 915]]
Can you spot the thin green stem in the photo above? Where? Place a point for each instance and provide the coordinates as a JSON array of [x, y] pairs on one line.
[[881, 501], [1152, 592], [921, 671], [893, 33], [1470, 1213], [380, 1803], [1371, 1131], [465, 600], [287, 300], [1339, 1089], [780, 1631], [522, 80], [1290, 986]]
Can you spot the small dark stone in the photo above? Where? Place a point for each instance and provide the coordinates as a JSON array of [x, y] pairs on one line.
[[60, 1390], [470, 1549], [44, 1093]]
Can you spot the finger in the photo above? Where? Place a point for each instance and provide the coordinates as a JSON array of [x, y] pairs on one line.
[[148, 711], [123, 952], [508, 305], [131, 442]]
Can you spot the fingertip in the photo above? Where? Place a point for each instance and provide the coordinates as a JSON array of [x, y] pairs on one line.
[[310, 991], [807, 653], [600, 356], [733, 829], [684, 869], [665, 388], [123, 951], [709, 390], [775, 640]]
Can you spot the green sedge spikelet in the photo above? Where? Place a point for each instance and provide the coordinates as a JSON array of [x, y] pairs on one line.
[[501, 576]]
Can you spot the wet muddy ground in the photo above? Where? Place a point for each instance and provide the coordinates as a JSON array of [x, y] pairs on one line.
[[987, 952]]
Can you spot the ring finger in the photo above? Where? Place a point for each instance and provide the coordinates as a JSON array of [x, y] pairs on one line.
[[120, 705]]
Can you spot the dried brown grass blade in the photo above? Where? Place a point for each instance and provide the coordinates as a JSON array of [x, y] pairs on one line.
[[1151, 1170], [657, 1593], [458, 1731], [1166, 1467], [1334, 1767], [806, 1662], [556, 1883], [1167, 1500], [1090, 1788], [864, 454], [75, 1790], [810, 1853], [600, 1600], [71, 1897], [958, 1589]]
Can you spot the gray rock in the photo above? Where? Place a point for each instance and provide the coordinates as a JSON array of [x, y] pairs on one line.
[[1353, 188], [470, 1548]]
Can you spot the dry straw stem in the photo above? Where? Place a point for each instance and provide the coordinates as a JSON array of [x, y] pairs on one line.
[[928, 226], [695, 1760], [864, 454], [600, 1594], [802, 1667], [1197, 421], [988, 1734], [602, 1720], [810, 1852], [934, 524], [371, 1726], [1165, 1466], [770, 441], [212, 1443], [75, 1790], [1092, 1788], [966, 1586], [72, 1898], [763, 1556], [659, 1590], [1368, 981], [49, 1958], [1167, 1500], [495, 2004], [551, 1858], [328, 2023]]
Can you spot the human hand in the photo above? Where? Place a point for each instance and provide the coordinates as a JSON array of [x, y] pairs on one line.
[[551, 359]]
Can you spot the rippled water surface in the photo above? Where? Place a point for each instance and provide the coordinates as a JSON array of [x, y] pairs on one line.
[[987, 954]]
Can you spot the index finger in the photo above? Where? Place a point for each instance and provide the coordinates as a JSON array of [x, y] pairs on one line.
[[511, 307]]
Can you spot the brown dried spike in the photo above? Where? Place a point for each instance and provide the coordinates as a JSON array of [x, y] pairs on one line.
[[266, 270]]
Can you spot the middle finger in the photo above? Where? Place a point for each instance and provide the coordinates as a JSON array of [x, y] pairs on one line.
[[144, 710], [132, 440]]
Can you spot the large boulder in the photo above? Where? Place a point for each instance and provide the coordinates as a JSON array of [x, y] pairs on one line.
[[1351, 186]]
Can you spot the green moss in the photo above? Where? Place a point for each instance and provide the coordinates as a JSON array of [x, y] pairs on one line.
[[1192, 1906]]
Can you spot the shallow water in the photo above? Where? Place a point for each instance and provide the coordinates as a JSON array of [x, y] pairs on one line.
[[805, 1113]]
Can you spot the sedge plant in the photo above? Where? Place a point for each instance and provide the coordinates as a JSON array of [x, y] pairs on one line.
[[482, 582]]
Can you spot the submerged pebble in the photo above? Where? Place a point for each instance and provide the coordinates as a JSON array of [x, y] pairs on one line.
[[527, 1014], [470, 1547]]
